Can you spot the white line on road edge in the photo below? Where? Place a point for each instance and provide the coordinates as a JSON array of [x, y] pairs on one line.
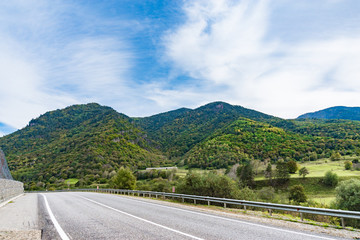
[[142, 219], [232, 220], [55, 222], [11, 199]]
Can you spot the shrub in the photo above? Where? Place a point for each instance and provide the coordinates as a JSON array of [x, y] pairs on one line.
[[348, 195], [297, 194], [348, 165], [336, 156], [213, 185], [303, 172], [124, 179], [267, 194], [331, 179], [292, 166]]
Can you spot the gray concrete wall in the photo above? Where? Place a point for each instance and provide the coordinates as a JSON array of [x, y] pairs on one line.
[[10, 189]]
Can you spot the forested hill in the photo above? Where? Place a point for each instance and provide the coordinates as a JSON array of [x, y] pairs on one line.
[[78, 141], [350, 113], [90, 142], [178, 131]]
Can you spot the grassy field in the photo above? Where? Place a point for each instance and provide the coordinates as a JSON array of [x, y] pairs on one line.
[[181, 172], [320, 167], [71, 181]]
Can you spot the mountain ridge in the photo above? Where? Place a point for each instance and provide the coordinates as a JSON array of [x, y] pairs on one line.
[[91, 142], [337, 112]]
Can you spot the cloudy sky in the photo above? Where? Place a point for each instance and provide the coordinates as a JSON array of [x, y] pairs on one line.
[[280, 57]]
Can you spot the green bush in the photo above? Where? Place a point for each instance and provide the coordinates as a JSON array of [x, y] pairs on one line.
[[335, 156], [267, 194], [124, 179], [213, 185], [292, 166], [348, 195], [348, 165], [331, 179], [303, 172], [297, 194]]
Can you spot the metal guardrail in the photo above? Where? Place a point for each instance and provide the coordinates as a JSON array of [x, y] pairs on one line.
[[342, 214]]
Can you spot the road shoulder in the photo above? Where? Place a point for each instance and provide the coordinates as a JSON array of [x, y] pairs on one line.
[[19, 218]]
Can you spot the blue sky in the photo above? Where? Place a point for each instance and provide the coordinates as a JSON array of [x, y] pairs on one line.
[[281, 57]]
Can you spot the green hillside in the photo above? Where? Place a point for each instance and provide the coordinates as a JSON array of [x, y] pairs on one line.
[[245, 139], [90, 142], [181, 131], [338, 129], [82, 141]]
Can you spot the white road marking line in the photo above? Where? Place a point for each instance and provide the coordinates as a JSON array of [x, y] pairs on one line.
[[11, 199], [142, 219], [232, 220], [55, 222]]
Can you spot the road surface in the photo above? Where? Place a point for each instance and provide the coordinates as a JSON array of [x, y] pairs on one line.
[[71, 215]]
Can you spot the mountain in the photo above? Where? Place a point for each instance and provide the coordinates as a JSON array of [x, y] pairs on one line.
[[90, 142], [178, 131], [82, 141], [349, 113]]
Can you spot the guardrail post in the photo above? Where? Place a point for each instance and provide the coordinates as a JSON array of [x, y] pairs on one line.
[[270, 212], [301, 216], [182, 199], [224, 204], [194, 201], [343, 222], [208, 203], [244, 207]]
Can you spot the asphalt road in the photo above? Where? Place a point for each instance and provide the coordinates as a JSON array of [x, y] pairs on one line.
[[71, 215]]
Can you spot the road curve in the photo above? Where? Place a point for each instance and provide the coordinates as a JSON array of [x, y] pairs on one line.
[[103, 216]]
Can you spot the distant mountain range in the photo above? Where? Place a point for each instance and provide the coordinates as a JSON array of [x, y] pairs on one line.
[[90, 142], [349, 113]]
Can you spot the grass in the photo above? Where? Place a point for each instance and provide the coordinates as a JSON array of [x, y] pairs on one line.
[[319, 167], [324, 200], [181, 172], [71, 181]]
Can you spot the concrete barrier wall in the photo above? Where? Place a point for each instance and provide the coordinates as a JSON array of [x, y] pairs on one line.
[[10, 189]]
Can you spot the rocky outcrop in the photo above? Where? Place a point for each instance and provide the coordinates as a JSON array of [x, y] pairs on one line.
[[4, 170]]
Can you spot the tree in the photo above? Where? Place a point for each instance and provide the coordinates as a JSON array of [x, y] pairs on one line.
[[209, 184], [331, 179], [303, 172], [246, 174], [268, 173], [282, 173], [348, 195], [335, 156], [124, 179], [292, 166], [348, 165], [297, 194]]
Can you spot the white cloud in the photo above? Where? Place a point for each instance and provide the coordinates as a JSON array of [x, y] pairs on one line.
[[226, 43], [52, 56]]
